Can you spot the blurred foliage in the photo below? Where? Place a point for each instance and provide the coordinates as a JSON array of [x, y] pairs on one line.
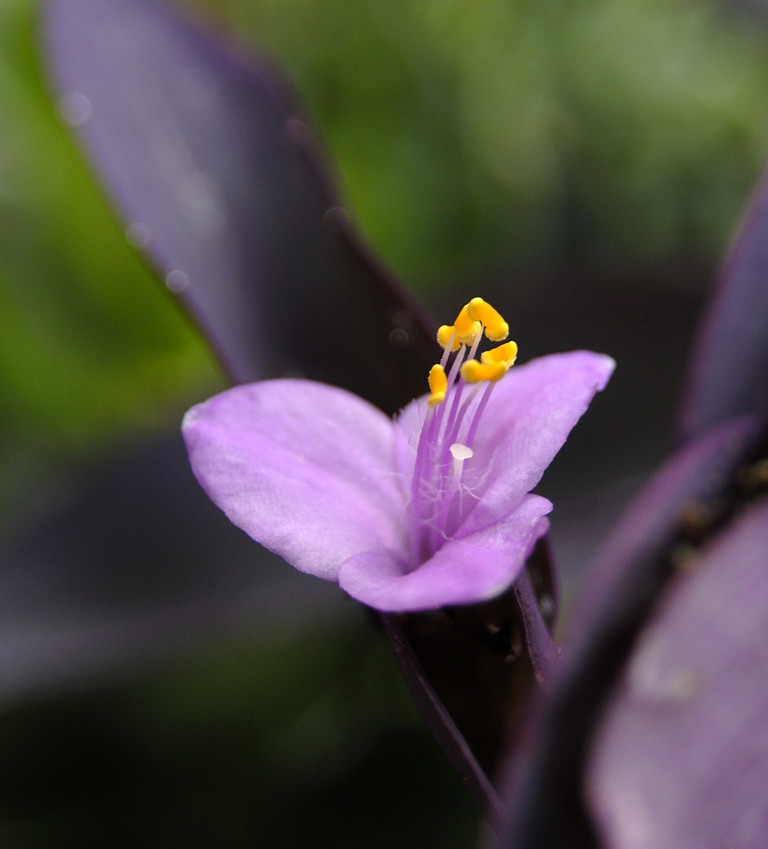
[[90, 347], [308, 740], [593, 134]]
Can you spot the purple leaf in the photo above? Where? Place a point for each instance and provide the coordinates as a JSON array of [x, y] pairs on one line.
[[729, 368], [134, 566], [440, 722], [216, 175], [696, 472], [634, 567], [681, 759], [475, 658]]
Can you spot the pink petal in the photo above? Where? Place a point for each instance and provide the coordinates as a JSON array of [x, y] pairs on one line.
[[528, 418], [307, 470], [465, 570]]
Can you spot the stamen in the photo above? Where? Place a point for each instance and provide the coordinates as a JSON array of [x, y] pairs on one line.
[[445, 443], [506, 353], [467, 328], [464, 331], [438, 384], [447, 352], [446, 337], [496, 329], [477, 415], [473, 372], [458, 388]]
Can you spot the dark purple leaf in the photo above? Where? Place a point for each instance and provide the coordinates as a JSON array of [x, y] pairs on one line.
[[215, 172], [476, 665], [440, 723], [695, 473], [547, 807], [476, 657], [729, 369], [136, 564], [681, 759]]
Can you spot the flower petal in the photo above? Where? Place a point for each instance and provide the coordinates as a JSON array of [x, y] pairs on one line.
[[307, 470], [528, 418], [465, 570]]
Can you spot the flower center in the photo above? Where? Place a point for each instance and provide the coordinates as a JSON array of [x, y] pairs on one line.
[[440, 495]]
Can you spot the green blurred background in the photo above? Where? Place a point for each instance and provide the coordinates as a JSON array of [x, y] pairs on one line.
[[615, 139]]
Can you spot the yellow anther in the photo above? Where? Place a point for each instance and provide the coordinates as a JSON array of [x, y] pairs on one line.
[[496, 329], [445, 333], [473, 371], [474, 318], [506, 353], [438, 385], [467, 328]]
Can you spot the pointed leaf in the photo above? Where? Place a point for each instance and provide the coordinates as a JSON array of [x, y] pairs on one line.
[[728, 375], [681, 760], [439, 721], [471, 664], [213, 167]]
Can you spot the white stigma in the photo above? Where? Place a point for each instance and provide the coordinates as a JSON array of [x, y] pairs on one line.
[[460, 453]]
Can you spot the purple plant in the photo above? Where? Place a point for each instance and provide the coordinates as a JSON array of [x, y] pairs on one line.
[[651, 731]]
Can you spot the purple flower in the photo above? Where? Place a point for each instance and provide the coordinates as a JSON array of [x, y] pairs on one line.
[[432, 509]]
